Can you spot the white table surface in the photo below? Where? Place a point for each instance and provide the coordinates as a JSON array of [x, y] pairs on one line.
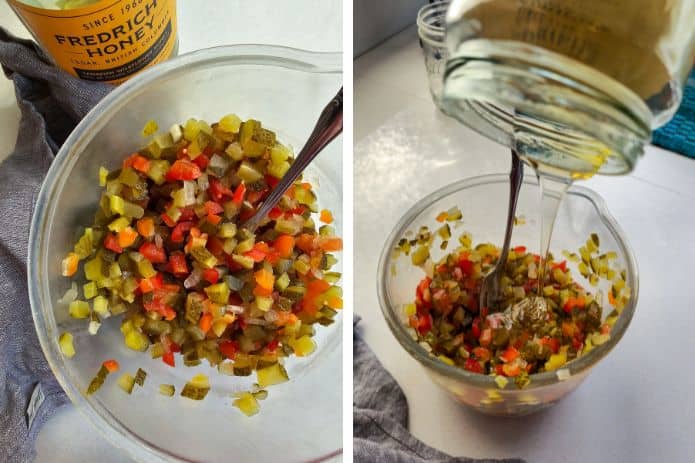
[[309, 24], [638, 404]]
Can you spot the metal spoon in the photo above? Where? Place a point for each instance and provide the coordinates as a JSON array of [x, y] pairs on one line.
[[328, 126], [490, 289]]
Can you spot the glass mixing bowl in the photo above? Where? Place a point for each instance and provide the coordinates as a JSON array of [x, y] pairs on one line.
[[483, 202], [300, 420]]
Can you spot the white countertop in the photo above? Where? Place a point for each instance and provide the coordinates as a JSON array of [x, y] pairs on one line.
[[309, 24], [637, 405]]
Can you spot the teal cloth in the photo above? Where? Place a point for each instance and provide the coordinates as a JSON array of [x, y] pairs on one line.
[[679, 134]]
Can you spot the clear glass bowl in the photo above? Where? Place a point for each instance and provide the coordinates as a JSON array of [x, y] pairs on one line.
[[300, 420], [483, 202]]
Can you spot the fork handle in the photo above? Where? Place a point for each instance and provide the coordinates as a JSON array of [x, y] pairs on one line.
[[328, 126]]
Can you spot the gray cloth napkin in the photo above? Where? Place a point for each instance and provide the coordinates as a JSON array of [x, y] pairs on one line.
[[51, 104], [380, 416]]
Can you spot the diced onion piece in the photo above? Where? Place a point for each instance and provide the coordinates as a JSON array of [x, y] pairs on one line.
[[93, 327], [234, 283], [563, 374], [176, 133], [203, 182], [218, 165], [235, 309], [70, 295], [188, 192], [193, 279]]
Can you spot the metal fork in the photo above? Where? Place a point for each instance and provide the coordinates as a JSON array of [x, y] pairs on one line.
[[490, 288], [328, 126]]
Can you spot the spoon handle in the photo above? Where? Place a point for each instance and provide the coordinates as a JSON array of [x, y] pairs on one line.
[[516, 178], [328, 126]]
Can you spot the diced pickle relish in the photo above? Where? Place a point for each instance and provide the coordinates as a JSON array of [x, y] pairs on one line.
[[167, 250], [525, 335]]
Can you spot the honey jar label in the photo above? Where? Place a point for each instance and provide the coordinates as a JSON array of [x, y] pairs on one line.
[[107, 41]]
